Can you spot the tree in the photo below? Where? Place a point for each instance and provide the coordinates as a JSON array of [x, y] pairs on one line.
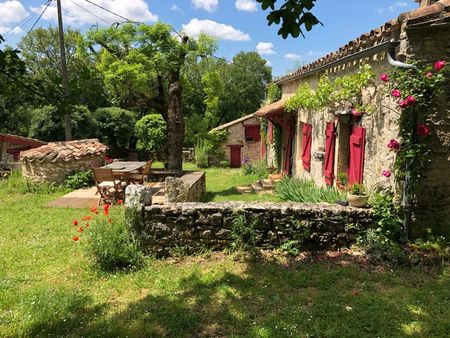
[[141, 65], [151, 134], [293, 14]]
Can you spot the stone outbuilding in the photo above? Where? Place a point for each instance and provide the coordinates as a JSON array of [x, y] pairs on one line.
[[243, 143], [54, 161], [320, 144], [12, 145]]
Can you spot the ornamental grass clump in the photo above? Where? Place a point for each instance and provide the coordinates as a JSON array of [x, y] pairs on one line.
[[304, 191], [111, 245]]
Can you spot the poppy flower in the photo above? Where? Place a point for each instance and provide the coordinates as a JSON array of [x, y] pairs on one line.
[[106, 212], [119, 202], [396, 93], [410, 100], [75, 222], [438, 65], [403, 104], [86, 218], [94, 210], [75, 238], [106, 207], [386, 173], [80, 229], [394, 144], [422, 130], [384, 77]]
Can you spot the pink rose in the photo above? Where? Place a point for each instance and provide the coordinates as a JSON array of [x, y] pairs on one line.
[[403, 104], [384, 77], [386, 173], [422, 130], [393, 144], [429, 74], [396, 93], [410, 100], [438, 65]]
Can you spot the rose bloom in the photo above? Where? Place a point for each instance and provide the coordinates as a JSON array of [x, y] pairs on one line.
[[396, 93], [438, 65], [429, 74], [394, 144], [384, 77], [410, 100], [386, 173], [422, 130], [403, 104]]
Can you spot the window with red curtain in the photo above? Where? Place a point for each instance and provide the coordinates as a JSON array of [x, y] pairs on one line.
[[252, 133]]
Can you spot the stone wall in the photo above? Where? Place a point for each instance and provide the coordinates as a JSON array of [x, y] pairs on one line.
[[188, 188], [236, 136], [161, 228], [45, 171]]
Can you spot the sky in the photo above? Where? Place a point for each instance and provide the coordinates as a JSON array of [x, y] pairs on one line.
[[240, 25]]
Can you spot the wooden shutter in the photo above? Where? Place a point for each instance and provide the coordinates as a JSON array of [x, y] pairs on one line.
[[253, 132], [356, 158], [330, 142], [306, 146]]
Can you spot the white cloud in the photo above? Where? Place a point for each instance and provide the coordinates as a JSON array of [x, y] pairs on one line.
[[394, 7], [246, 5], [292, 56], [177, 9], [15, 30], [136, 10], [12, 12], [207, 5], [219, 30], [265, 48]]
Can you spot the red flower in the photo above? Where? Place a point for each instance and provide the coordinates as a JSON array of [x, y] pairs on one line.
[[106, 207], [384, 77], [403, 104], [438, 65], [119, 202], [410, 100], [429, 74], [396, 93], [393, 144], [86, 218], [75, 222], [386, 173], [94, 210], [356, 113], [80, 229], [87, 225], [75, 238], [109, 220], [423, 130], [106, 212]]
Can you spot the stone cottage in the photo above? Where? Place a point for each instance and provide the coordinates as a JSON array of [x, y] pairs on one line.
[[244, 140], [12, 145], [320, 144], [56, 160]]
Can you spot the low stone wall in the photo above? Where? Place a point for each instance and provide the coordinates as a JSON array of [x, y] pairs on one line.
[[188, 188], [161, 228]]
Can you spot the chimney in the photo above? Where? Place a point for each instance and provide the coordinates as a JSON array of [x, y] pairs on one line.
[[424, 3]]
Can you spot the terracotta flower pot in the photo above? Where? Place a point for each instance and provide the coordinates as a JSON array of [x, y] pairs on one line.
[[357, 200]]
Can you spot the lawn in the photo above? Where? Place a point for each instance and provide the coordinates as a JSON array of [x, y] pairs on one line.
[[48, 287]]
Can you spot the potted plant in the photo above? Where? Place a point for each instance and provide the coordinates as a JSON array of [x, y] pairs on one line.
[[342, 180], [357, 195]]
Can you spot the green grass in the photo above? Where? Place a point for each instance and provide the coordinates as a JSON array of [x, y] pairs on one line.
[[48, 287]]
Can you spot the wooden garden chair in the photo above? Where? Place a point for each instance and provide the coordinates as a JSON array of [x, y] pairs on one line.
[[108, 186], [139, 178]]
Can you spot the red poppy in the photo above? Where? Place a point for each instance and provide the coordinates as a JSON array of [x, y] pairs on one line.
[[75, 238], [109, 220], [75, 222], [423, 130], [80, 229], [106, 212], [106, 207], [94, 210], [119, 202], [86, 218]]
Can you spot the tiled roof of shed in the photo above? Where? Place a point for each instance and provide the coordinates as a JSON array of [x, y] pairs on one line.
[[429, 15], [64, 151]]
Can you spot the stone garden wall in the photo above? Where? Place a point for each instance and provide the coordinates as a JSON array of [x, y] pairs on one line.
[[188, 188], [161, 228]]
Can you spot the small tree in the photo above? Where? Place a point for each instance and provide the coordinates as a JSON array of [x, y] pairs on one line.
[[151, 133]]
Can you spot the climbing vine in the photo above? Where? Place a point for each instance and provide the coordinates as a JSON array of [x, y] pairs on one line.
[[348, 88]]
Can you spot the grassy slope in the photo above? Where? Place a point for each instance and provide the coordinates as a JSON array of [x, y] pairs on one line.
[[48, 287]]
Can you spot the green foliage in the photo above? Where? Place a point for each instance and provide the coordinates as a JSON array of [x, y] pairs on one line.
[[258, 169], [300, 235], [300, 190], [111, 244], [380, 247], [295, 16], [273, 93], [242, 233], [342, 177], [201, 151], [79, 180], [16, 183], [115, 128], [224, 164], [151, 133], [357, 189], [386, 215], [210, 146], [345, 88]]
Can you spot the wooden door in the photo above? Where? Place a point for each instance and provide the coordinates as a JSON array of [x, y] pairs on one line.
[[330, 142], [235, 156], [356, 156]]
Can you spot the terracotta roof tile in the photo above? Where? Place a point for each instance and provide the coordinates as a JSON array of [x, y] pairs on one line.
[[272, 108], [64, 151], [438, 12]]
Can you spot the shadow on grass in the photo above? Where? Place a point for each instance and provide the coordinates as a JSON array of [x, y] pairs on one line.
[[211, 195], [268, 299]]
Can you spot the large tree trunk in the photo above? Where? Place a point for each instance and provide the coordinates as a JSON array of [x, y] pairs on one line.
[[175, 123]]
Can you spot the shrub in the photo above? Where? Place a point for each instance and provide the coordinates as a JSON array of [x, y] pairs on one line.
[[242, 233], [300, 190], [357, 189], [16, 183], [79, 180], [224, 164], [201, 155], [247, 168], [151, 134], [109, 242], [387, 216]]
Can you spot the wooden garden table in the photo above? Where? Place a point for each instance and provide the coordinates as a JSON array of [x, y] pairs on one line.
[[123, 169]]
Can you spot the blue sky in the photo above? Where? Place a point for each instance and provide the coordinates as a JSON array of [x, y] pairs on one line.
[[239, 24]]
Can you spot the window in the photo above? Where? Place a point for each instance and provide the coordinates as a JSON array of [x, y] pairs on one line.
[[252, 133]]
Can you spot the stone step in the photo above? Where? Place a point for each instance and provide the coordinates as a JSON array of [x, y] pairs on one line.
[[276, 177], [158, 198], [244, 189], [257, 187], [266, 183]]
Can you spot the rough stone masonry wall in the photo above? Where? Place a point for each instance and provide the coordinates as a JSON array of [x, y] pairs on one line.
[[188, 188], [57, 172], [236, 136], [160, 228]]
